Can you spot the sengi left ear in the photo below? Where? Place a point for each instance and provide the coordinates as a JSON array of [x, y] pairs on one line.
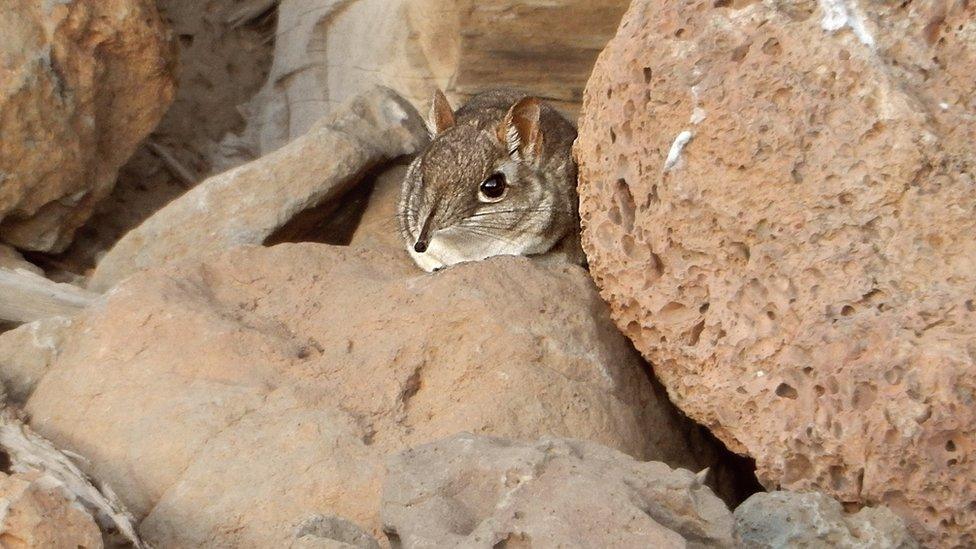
[[520, 131]]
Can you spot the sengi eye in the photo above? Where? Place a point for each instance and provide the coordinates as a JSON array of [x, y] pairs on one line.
[[493, 189]]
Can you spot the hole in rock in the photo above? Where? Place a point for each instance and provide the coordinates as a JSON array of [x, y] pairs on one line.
[[5, 463], [739, 53], [731, 476], [394, 538], [785, 390], [772, 47], [847, 310], [334, 222], [950, 446], [648, 75], [515, 541], [696, 332]]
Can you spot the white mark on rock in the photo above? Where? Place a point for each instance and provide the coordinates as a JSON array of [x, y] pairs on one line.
[[838, 14], [674, 155], [698, 113], [944, 106]]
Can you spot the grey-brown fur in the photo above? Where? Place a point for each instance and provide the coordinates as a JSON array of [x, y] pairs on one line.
[[440, 202]]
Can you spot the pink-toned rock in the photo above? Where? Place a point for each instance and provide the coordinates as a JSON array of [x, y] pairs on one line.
[[778, 204], [230, 401], [82, 82], [36, 515]]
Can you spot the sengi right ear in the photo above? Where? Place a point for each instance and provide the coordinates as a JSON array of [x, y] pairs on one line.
[[441, 116]]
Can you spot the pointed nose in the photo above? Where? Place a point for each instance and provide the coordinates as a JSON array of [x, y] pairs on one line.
[[420, 247]]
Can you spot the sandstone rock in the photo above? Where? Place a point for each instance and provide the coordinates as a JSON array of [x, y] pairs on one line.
[[224, 57], [11, 260], [248, 204], [27, 352], [228, 401], [769, 520], [27, 297], [378, 229], [470, 491], [36, 515], [328, 51], [27, 453], [779, 211], [81, 83], [332, 532]]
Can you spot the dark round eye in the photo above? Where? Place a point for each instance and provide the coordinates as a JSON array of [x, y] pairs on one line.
[[494, 187]]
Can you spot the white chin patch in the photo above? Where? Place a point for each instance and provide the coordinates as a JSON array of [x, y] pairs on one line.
[[446, 249]]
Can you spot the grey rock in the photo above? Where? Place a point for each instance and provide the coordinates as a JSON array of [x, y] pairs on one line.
[[476, 491], [248, 204], [789, 519]]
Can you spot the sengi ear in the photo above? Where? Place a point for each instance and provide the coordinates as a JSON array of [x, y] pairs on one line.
[[520, 132], [441, 116]]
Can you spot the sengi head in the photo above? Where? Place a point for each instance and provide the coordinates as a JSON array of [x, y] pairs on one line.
[[481, 187]]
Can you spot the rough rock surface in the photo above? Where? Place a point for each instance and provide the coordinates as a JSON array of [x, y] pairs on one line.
[[248, 204], [36, 515], [770, 520], [287, 374], [329, 51], [27, 453], [12, 260], [332, 532], [26, 353], [475, 491], [778, 204], [225, 50], [81, 83]]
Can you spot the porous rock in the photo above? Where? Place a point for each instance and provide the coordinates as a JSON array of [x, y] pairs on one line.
[[777, 200], [247, 204], [327, 52], [770, 520], [479, 492], [228, 400], [35, 514], [82, 82]]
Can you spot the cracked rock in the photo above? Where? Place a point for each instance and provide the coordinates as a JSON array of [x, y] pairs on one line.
[[478, 492]]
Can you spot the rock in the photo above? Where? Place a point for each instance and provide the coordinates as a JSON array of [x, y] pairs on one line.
[[10, 259], [29, 454], [287, 374], [224, 57], [81, 84], [28, 297], [36, 515], [27, 352], [471, 491], [378, 229], [248, 204], [327, 52], [779, 212], [332, 532], [769, 520]]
